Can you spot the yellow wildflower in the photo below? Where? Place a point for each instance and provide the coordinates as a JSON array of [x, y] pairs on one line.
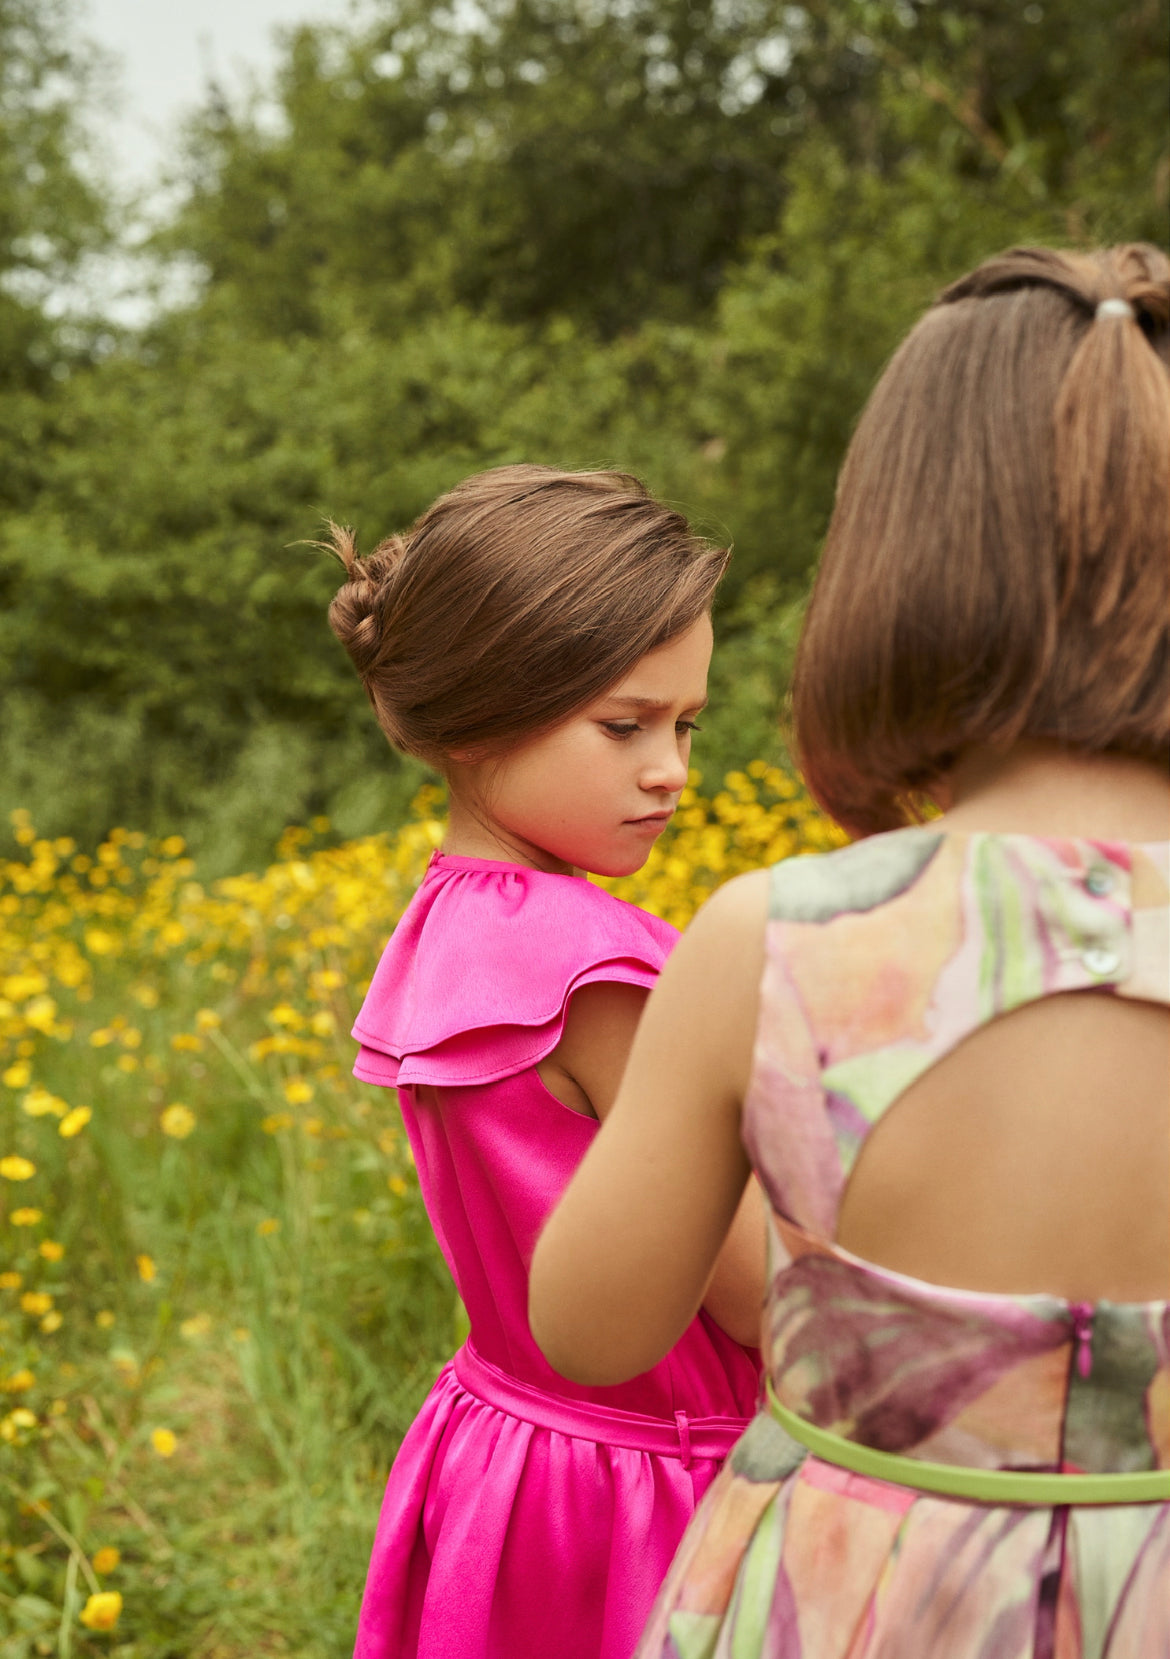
[[16, 1075], [268, 1226], [36, 1301], [52, 1322], [18, 1381], [25, 1217], [106, 1559], [11, 1280], [164, 1442], [74, 1122], [297, 1091], [275, 1122], [186, 1042], [16, 1422], [51, 1250], [105, 1320], [207, 1020], [146, 1268], [39, 1103], [41, 1014], [177, 1121], [102, 1611], [14, 1168]]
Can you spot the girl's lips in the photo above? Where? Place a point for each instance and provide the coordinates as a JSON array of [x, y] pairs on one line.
[[652, 820]]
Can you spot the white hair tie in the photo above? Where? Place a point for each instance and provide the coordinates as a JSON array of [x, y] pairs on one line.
[[1115, 308]]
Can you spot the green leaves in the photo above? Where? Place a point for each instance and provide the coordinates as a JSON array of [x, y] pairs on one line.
[[668, 235]]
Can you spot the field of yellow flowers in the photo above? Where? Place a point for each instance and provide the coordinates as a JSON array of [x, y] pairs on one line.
[[220, 1302]]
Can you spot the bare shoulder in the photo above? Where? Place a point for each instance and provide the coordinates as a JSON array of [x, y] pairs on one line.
[[731, 923], [740, 902], [701, 1018]]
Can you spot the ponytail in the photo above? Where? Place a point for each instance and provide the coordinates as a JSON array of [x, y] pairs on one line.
[[1113, 437]]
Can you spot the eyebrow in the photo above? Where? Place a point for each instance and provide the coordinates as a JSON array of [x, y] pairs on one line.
[[650, 702]]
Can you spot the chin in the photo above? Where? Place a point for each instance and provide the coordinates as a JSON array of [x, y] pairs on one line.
[[617, 866]]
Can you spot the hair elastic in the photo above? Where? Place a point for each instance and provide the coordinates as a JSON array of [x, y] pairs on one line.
[[1115, 308]]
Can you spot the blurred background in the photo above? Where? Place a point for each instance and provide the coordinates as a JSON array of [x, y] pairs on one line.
[[676, 235]]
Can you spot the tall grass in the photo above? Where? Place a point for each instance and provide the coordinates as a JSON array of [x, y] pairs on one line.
[[220, 1300]]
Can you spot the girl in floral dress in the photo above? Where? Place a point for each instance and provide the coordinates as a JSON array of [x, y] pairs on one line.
[[944, 1049], [543, 638]]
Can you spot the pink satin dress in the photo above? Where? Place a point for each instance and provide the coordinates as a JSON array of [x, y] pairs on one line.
[[525, 1516]]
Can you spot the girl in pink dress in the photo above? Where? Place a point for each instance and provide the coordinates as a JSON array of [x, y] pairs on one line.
[[543, 638]]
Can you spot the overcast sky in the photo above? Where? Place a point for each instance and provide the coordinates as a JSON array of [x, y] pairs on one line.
[[165, 49]]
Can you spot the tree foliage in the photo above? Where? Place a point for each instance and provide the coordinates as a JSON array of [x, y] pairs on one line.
[[676, 235]]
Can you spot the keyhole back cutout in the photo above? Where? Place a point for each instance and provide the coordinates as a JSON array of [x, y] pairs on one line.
[[1034, 1156]]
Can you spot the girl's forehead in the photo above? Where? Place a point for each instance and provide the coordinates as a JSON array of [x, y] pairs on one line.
[[678, 668]]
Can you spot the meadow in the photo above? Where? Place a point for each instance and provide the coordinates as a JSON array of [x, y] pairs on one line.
[[220, 1300]]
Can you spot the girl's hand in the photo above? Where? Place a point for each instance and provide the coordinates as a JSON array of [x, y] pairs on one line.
[[631, 1251]]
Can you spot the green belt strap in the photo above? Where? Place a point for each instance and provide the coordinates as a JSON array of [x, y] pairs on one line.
[[997, 1486]]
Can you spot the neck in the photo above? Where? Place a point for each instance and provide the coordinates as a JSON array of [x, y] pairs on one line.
[[1042, 788], [471, 833]]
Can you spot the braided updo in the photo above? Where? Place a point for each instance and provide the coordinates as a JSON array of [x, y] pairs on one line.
[[514, 600]]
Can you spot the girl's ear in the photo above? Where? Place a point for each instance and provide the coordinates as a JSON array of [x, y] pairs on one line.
[[941, 791]]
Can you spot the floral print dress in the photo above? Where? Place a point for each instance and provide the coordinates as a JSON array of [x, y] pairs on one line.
[[880, 959]]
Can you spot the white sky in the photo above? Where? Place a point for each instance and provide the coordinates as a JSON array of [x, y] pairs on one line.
[[163, 52], [165, 49]]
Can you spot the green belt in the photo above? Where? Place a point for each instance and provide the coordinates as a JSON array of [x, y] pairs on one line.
[[951, 1480]]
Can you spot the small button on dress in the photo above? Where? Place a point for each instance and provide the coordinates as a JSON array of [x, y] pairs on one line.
[[1101, 961]]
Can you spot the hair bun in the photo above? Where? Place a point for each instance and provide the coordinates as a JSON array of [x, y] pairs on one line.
[[359, 606]]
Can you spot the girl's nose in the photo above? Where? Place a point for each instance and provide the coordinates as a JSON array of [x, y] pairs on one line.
[[666, 771]]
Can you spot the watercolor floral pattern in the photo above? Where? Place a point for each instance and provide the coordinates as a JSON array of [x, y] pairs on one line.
[[881, 957]]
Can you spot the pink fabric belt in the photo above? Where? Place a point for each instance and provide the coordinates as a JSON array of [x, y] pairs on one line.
[[681, 1435]]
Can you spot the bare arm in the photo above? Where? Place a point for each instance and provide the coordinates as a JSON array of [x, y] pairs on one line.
[[645, 1230]]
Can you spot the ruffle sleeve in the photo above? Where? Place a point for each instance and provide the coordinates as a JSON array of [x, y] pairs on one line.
[[475, 982]]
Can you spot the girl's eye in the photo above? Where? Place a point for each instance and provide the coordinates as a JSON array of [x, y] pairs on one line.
[[621, 728], [682, 726]]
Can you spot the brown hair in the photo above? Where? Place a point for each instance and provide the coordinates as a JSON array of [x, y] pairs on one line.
[[517, 598], [997, 566]]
